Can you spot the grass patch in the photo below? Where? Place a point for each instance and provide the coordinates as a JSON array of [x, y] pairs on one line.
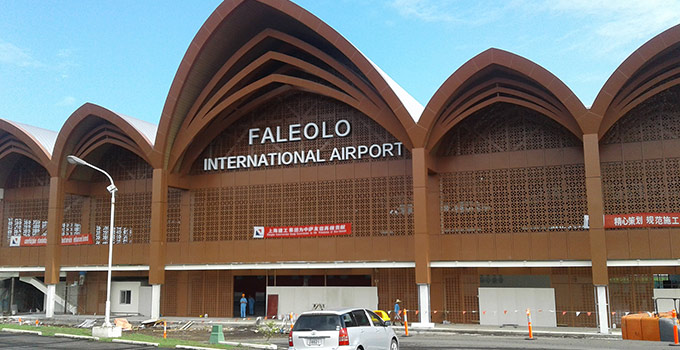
[[164, 343], [170, 343], [49, 330]]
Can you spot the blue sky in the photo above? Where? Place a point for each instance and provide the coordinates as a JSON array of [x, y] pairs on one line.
[[123, 54]]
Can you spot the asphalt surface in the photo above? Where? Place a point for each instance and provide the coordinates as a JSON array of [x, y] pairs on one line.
[[508, 342], [417, 342], [473, 342], [29, 341]]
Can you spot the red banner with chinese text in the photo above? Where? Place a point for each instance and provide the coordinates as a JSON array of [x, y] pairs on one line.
[[38, 241], [642, 220], [303, 231], [76, 239]]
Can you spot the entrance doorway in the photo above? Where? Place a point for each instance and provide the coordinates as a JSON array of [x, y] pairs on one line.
[[251, 286], [19, 297]]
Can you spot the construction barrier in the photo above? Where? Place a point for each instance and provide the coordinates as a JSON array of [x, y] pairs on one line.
[[531, 331], [648, 326], [406, 322], [675, 329]]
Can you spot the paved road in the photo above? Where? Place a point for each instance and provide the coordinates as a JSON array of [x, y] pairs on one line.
[[27, 341], [418, 342], [474, 342], [478, 342]]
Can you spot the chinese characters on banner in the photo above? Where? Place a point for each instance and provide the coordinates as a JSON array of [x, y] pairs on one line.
[[37, 241], [642, 220], [302, 231]]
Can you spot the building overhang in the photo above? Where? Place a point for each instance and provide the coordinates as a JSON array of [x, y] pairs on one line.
[[295, 266]]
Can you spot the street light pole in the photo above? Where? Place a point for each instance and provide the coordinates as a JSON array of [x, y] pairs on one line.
[[112, 189]]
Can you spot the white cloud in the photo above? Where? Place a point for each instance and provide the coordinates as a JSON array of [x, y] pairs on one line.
[[64, 53], [422, 9], [66, 101], [12, 55], [450, 11], [599, 26], [611, 25]]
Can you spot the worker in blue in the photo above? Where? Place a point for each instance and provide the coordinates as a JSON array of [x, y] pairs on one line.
[[244, 302], [251, 305], [397, 309]]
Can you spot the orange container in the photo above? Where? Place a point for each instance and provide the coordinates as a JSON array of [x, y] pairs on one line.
[[650, 328], [630, 327], [641, 326]]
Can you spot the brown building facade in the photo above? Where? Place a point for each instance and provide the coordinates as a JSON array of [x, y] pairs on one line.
[[276, 126]]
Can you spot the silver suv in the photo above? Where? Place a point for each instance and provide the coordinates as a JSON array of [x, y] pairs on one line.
[[342, 329]]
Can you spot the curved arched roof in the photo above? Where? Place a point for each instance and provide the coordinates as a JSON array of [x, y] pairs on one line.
[[32, 142], [84, 131], [500, 76], [652, 68], [250, 51]]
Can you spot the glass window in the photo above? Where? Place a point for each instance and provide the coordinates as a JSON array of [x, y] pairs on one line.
[[663, 281], [360, 318], [126, 297], [349, 320], [317, 323], [377, 321]]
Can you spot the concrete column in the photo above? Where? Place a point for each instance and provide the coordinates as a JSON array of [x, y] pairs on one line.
[[11, 296], [155, 301], [424, 307], [55, 218], [602, 309], [421, 235], [159, 225], [49, 300], [598, 243], [421, 238]]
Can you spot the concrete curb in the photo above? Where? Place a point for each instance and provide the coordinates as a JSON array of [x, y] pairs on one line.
[[134, 342], [250, 345], [193, 347], [12, 330], [64, 335], [498, 332]]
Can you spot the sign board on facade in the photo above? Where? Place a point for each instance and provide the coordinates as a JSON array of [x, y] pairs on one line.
[[302, 231], [297, 133], [37, 241], [642, 220]]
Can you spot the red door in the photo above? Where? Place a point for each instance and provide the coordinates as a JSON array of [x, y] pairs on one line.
[[272, 305]]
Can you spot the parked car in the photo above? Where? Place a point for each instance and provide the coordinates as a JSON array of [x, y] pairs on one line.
[[342, 329]]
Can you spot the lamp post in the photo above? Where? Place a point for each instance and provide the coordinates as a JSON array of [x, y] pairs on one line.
[[112, 189]]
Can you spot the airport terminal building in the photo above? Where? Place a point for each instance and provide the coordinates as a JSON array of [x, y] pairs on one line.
[[287, 166]]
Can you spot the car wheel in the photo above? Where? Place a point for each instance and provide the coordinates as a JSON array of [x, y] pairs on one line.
[[394, 345]]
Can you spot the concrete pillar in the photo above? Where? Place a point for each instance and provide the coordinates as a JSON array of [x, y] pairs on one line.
[[598, 243], [159, 225], [11, 297], [55, 216], [602, 309], [424, 307], [155, 301], [49, 300], [421, 235]]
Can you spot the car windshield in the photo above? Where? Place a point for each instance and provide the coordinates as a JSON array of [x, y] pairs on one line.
[[317, 323]]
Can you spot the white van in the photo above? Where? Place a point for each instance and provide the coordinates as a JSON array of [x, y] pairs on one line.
[[342, 329]]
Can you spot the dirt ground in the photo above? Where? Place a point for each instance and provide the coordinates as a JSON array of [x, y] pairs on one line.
[[202, 333], [199, 331]]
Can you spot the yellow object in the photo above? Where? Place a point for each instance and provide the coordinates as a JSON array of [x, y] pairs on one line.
[[382, 315]]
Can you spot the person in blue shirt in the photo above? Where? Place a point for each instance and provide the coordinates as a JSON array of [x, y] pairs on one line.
[[251, 305], [397, 308], [244, 302]]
